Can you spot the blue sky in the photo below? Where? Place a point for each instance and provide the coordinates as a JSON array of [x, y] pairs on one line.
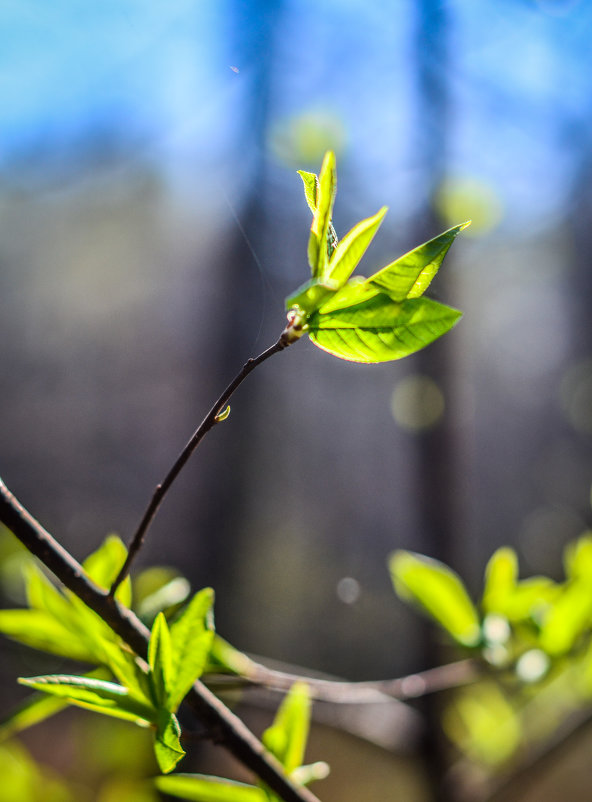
[[155, 78]]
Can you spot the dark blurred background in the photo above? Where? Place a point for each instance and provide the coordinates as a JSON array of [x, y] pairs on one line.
[[151, 224]]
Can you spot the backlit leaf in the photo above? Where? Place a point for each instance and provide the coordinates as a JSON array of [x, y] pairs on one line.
[[379, 330], [501, 575], [103, 566], [160, 661], [167, 743], [317, 245], [356, 291], [353, 246], [311, 183], [191, 636], [529, 599], [93, 694], [287, 736], [124, 665], [201, 788], [577, 558], [42, 594], [40, 630], [310, 295], [567, 618], [410, 275], [439, 592], [36, 708]]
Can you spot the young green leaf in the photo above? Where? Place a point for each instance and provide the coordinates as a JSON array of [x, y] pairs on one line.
[[356, 291], [36, 708], [501, 576], [529, 599], [224, 657], [93, 694], [577, 558], [353, 246], [317, 244], [191, 636], [410, 275], [160, 661], [201, 788], [380, 330], [42, 594], [167, 596], [311, 295], [567, 618], [439, 592], [311, 183], [167, 743], [365, 320], [103, 566], [311, 188], [125, 667], [72, 629], [40, 630], [287, 736]]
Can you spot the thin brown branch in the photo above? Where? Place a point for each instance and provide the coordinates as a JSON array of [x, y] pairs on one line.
[[445, 677], [204, 427], [223, 726]]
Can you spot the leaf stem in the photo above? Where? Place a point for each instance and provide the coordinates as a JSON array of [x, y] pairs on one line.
[[215, 414], [223, 725]]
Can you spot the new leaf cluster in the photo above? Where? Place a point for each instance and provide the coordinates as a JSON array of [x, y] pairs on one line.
[[148, 694], [531, 638], [374, 319]]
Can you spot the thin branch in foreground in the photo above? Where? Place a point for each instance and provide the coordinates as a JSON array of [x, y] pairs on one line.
[[215, 414], [223, 726], [414, 686]]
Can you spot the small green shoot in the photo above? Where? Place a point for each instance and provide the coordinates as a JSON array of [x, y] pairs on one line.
[[377, 319], [60, 623], [439, 592], [285, 739]]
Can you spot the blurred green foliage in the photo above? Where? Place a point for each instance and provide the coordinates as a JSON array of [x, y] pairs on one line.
[[531, 638]]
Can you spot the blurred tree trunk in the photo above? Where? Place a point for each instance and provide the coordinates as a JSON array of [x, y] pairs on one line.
[[238, 301], [436, 489]]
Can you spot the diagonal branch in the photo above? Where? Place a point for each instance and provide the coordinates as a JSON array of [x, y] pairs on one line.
[[288, 336], [221, 723]]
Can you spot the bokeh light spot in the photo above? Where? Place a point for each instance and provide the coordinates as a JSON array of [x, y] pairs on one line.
[[417, 403], [496, 629], [465, 198], [348, 590], [532, 665], [303, 139]]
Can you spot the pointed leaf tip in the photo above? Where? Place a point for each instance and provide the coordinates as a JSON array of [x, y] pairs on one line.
[[311, 185], [321, 222], [410, 275], [353, 246]]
